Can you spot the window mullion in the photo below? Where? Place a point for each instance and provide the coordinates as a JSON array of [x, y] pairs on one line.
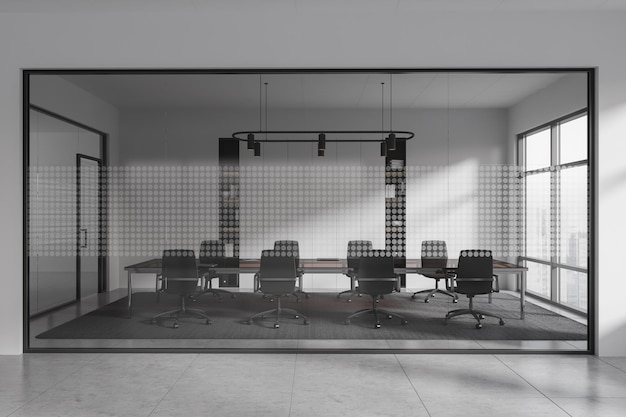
[[555, 214]]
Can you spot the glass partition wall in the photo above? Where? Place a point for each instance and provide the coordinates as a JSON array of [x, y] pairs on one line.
[[124, 165]]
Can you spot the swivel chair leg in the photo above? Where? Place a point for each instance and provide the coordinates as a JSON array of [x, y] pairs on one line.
[[183, 310], [277, 313], [375, 311], [477, 314]]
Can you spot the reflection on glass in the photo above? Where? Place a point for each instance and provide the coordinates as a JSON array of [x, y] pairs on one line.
[[573, 140], [538, 216], [538, 150], [538, 279], [573, 288], [173, 189], [573, 237]]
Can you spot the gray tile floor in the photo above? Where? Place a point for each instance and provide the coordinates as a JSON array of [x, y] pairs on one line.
[[302, 384]]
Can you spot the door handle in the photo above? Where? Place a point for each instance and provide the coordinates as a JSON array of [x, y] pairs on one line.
[[83, 235]]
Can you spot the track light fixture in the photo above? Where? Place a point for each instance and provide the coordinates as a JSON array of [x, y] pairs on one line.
[[354, 136]]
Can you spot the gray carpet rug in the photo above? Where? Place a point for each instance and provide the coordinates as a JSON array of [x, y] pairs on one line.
[[327, 316]]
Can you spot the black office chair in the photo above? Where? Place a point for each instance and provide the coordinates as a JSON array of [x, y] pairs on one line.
[[277, 277], [356, 249], [376, 277], [212, 253], [435, 256], [180, 277], [292, 248], [474, 276]]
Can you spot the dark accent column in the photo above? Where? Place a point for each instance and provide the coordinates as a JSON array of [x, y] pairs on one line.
[[229, 206], [395, 205]]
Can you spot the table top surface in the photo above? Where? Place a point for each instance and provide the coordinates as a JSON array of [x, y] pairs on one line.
[[313, 263]]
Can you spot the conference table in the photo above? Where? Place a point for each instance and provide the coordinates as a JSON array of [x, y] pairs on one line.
[[327, 266]]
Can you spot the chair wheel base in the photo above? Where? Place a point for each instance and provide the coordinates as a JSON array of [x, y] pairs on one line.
[[175, 325], [479, 326], [377, 326], [501, 322], [404, 322], [276, 325]]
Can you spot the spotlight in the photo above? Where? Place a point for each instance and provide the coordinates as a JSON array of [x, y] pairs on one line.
[[391, 142]]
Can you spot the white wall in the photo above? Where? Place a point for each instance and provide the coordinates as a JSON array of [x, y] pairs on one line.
[[265, 36], [567, 95], [322, 202]]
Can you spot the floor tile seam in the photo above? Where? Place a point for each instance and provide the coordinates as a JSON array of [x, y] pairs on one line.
[[590, 397], [411, 383], [531, 385], [173, 385], [293, 382], [611, 365]]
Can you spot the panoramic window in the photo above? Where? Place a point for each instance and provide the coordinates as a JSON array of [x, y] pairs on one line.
[[556, 172], [307, 210]]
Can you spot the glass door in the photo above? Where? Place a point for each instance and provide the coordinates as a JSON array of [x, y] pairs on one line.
[[88, 226], [64, 205]]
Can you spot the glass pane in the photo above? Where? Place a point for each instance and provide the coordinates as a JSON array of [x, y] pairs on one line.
[[574, 140], [538, 278], [52, 214], [88, 226], [538, 216], [573, 288], [574, 216], [538, 150]]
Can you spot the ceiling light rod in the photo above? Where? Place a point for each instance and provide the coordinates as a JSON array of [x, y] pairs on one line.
[[248, 135]]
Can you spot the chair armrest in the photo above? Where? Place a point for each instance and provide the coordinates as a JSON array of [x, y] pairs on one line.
[[497, 281], [255, 282]]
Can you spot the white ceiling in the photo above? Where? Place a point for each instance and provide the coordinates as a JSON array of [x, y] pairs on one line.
[[306, 90]]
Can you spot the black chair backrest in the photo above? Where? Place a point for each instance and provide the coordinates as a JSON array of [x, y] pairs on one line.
[[288, 248], [212, 252], [477, 266], [375, 273], [434, 255], [357, 249], [277, 273], [179, 270]]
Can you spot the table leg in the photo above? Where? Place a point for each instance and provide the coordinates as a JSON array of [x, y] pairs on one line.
[[522, 298], [130, 295]]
